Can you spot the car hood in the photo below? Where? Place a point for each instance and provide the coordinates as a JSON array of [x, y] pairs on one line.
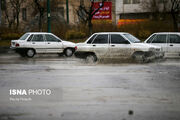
[[68, 44], [80, 44], [146, 45]]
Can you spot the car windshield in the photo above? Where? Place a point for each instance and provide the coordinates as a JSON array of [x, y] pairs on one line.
[[24, 37], [132, 38]]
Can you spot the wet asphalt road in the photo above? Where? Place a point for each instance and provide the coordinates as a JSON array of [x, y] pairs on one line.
[[80, 91]]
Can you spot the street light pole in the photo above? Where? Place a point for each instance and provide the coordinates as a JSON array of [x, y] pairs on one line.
[[48, 16], [67, 11], [0, 13]]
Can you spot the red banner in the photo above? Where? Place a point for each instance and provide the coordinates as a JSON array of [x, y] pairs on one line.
[[104, 12]]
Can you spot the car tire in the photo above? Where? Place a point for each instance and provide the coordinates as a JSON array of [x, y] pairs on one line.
[[91, 58], [139, 57], [30, 53], [68, 52]]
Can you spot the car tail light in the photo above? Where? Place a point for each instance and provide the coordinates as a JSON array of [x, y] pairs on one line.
[[75, 47], [17, 45]]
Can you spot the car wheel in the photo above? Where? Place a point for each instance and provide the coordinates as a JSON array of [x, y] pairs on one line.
[[91, 58], [139, 57], [30, 53], [68, 52]]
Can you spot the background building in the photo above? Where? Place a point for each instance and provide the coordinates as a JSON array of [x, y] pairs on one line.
[[139, 9], [121, 10]]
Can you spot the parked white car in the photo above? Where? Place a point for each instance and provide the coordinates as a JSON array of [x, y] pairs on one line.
[[169, 41], [40, 42], [116, 45]]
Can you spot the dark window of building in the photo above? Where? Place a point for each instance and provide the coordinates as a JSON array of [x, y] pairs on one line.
[[136, 1], [131, 1], [160, 39], [3, 4], [162, 1], [117, 39], [175, 39], [134, 16], [60, 10], [101, 0], [127, 1], [101, 39], [24, 14]]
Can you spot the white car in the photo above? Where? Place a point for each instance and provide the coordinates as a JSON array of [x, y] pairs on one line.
[[169, 41], [116, 45], [40, 42]]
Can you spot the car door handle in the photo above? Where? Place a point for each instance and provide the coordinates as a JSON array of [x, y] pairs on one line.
[[94, 45], [171, 45], [113, 45], [33, 43], [49, 43]]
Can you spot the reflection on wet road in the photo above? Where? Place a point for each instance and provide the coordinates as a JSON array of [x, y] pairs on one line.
[[124, 91]]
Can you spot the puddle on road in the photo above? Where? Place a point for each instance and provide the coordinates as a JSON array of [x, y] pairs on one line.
[[10, 116], [48, 59]]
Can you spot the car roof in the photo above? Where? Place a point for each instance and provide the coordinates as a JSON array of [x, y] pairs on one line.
[[38, 33], [111, 33], [167, 33]]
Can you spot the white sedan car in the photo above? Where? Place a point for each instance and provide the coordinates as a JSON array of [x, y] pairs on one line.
[[169, 41], [40, 42], [116, 45]]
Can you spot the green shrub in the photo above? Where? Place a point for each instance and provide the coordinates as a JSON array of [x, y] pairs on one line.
[[10, 36], [73, 34], [143, 34]]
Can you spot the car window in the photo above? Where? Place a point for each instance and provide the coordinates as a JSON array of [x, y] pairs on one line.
[[159, 39], [29, 39], [24, 37], [151, 39], [51, 38], [132, 38], [175, 39], [38, 38], [117, 39], [101, 39], [91, 39]]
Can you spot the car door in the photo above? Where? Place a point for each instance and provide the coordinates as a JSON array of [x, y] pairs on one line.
[[174, 44], [53, 44], [100, 45], [160, 40], [37, 42], [119, 47]]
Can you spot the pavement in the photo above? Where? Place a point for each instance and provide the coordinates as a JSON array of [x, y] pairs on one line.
[[81, 91]]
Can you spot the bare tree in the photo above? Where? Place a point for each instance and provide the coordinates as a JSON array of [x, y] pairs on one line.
[[175, 11], [157, 8], [9, 16], [40, 7], [16, 5], [86, 13]]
